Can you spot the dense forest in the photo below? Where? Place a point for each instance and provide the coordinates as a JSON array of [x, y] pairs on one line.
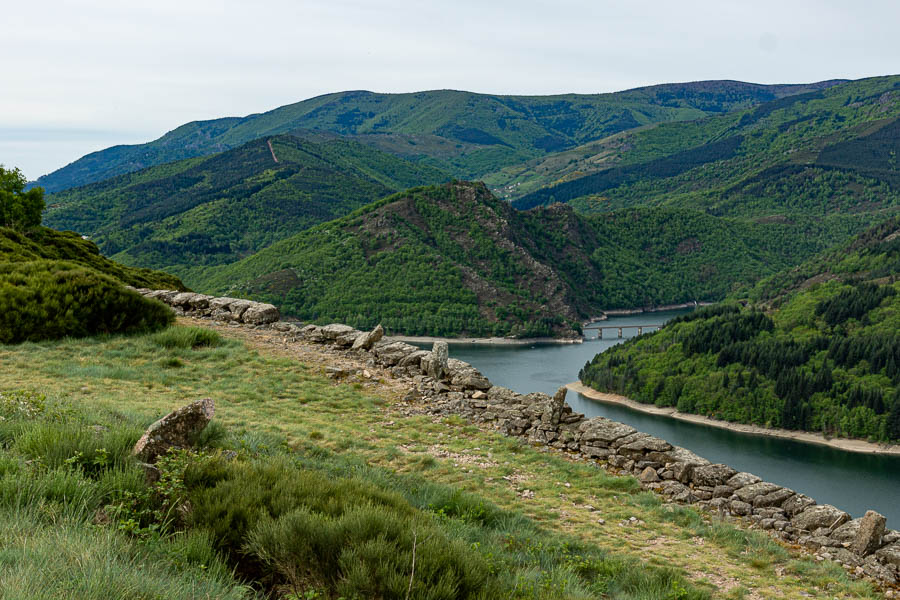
[[817, 349], [466, 134], [455, 260], [214, 210]]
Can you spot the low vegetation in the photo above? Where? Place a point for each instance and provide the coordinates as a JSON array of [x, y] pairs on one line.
[[280, 497]]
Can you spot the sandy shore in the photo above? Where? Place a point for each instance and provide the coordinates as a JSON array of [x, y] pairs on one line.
[[494, 341], [849, 445]]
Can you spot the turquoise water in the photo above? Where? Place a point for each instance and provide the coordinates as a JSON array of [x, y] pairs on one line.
[[851, 481]]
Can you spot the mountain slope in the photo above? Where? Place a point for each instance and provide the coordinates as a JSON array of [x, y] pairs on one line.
[[465, 133], [817, 153], [454, 260], [213, 210], [817, 349]]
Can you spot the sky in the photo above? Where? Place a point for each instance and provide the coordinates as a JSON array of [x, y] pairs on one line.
[[80, 76]]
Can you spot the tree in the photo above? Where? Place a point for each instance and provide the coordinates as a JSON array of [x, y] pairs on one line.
[[893, 421], [19, 209]]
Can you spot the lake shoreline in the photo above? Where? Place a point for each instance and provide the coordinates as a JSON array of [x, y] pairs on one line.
[[845, 444], [492, 341]]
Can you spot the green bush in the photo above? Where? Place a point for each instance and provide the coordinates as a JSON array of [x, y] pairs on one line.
[[42, 300]]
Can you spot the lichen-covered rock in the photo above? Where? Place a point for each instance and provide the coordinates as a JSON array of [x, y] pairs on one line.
[[890, 554], [868, 538], [712, 475], [470, 379], [773, 498], [332, 331], [648, 475], [750, 492], [643, 445], [175, 430], [823, 515], [367, 340], [391, 353], [742, 479], [796, 504], [601, 431], [437, 365], [739, 507], [259, 313]]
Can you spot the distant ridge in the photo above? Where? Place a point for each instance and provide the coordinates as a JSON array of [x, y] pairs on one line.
[[464, 133]]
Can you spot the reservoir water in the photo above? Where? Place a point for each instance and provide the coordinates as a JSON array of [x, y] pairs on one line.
[[851, 481]]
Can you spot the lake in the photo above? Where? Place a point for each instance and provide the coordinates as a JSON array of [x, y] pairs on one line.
[[854, 482]]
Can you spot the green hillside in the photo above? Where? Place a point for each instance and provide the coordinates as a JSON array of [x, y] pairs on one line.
[[454, 260], [464, 133], [816, 349], [214, 210], [819, 153]]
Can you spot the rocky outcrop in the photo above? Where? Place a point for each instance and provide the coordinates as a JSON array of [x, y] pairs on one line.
[[235, 310], [175, 430]]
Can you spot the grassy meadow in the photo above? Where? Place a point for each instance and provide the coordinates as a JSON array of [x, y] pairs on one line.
[[305, 488]]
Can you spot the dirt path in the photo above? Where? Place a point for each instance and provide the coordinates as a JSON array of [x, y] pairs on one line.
[[272, 150]]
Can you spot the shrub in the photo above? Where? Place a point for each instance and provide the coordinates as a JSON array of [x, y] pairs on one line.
[[41, 300]]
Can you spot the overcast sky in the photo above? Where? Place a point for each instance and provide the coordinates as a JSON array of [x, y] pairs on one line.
[[80, 76]]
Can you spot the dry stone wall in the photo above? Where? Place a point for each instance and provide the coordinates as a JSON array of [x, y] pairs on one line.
[[447, 386]]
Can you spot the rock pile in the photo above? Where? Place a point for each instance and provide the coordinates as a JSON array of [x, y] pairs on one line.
[[451, 387], [221, 309]]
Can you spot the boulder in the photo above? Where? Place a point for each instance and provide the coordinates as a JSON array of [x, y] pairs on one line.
[[648, 475], [259, 313], [712, 475], [334, 330], [868, 538], [200, 301], [183, 299], [501, 395], [750, 492], [677, 454], [390, 353], [682, 471], [774, 498], [823, 515], [890, 554], [470, 379], [437, 365], [797, 504], [221, 303], [285, 327], [413, 359], [346, 340], [367, 340], [175, 430], [601, 431], [847, 532], [741, 508], [742, 479], [643, 445]]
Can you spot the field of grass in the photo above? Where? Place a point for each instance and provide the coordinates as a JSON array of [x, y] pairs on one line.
[[520, 521]]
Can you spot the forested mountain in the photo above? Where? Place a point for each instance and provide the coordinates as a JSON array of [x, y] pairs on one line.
[[467, 134], [815, 348], [454, 260], [214, 210], [820, 153]]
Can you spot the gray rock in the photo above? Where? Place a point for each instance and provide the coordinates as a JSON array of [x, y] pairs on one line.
[[847, 532], [712, 475], [871, 529], [595, 451], [438, 365], [390, 353], [175, 430], [741, 508], [742, 479], [200, 301], [367, 340], [413, 359], [470, 379], [797, 504], [723, 491], [334, 330], [677, 454], [749, 493], [285, 327], [823, 515], [601, 431], [183, 299], [222, 303], [683, 471], [648, 475], [890, 554], [643, 445], [259, 313], [775, 498]]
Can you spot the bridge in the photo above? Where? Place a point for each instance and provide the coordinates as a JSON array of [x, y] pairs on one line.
[[619, 328]]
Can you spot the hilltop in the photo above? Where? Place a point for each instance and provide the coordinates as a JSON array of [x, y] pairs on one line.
[[817, 153], [464, 133], [814, 348], [455, 260], [216, 209]]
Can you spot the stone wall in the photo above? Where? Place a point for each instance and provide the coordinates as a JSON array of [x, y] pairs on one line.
[[448, 386]]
